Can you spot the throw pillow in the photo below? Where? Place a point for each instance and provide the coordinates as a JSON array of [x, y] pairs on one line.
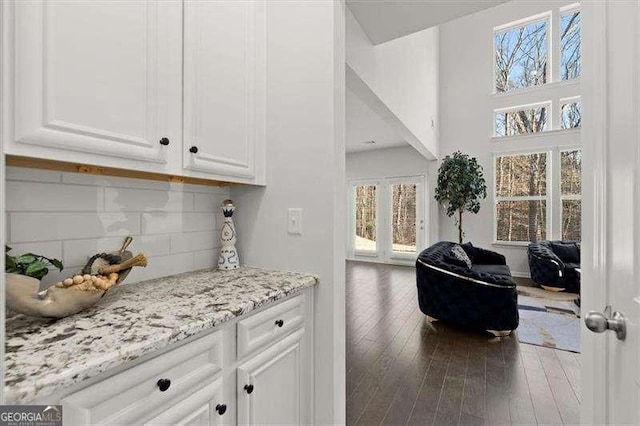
[[468, 248], [449, 258], [461, 255], [567, 252]]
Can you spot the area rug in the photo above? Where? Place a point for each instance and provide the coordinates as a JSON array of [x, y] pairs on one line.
[[552, 330]]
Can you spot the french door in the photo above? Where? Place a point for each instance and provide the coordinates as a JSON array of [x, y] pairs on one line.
[[387, 219]]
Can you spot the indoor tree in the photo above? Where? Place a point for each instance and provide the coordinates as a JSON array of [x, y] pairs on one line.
[[461, 186]]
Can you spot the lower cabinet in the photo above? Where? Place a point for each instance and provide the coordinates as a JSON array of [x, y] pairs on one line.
[[269, 384], [204, 407], [193, 384]]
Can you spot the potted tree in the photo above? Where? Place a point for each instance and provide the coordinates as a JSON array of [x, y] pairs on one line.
[[461, 186]]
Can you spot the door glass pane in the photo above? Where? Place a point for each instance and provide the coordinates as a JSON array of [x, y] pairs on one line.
[[404, 217], [366, 201]]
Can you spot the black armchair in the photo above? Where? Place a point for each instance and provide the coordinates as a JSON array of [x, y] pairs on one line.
[[481, 297], [553, 265]]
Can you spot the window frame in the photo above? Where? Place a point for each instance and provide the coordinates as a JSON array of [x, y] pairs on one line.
[[547, 197], [544, 16], [554, 90], [544, 104], [563, 11], [553, 18], [566, 101]]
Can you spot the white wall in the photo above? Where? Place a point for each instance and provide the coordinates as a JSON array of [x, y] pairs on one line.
[[305, 158], [72, 216], [466, 111], [403, 73], [397, 162]]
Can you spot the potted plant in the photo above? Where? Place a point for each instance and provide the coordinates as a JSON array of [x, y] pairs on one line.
[[29, 264], [461, 186]]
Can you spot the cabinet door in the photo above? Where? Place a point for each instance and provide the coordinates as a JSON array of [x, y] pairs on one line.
[[224, 87], [270, 389], [95, 77], [205, 407]]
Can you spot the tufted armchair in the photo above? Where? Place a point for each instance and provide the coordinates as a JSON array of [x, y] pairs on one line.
[[482, 297], [553, 264]]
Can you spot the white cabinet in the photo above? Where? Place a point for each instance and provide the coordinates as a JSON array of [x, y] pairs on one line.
[[224, 87], [210, 381], [137, 85], [270, 383], [93, 80]]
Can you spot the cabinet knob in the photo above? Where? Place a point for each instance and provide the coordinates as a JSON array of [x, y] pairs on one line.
[[248, 388], [163, 384], [279, 323], [164, 141], [193, 150], [221, 408]]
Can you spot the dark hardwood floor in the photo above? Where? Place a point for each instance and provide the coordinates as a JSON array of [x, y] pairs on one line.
[[403, 370]]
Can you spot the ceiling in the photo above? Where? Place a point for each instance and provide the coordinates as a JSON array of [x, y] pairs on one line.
[[384, 20], [363, 124]]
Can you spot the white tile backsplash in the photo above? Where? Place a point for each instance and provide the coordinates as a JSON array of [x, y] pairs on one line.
[[73, 216], [28, 196], [146, 200]]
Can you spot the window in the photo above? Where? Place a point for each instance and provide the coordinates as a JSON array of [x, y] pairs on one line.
[[404, 211], [570, 45], [521, 56], [365, 206], [521, 197], [570, 115], [521, 121], [531, 54], [570, 193]]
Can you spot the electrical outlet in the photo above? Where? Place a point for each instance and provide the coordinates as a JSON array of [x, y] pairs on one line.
[[295, 221]]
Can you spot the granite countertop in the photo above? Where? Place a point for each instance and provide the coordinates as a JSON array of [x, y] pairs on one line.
[[46, 355]]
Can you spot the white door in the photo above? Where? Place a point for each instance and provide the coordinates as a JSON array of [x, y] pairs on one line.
[[387, 219], [93, 81], [224, 87], [270, 389], [205, 407], [611, 212]]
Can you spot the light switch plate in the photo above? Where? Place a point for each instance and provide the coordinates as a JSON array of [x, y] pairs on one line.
[[295, 222]]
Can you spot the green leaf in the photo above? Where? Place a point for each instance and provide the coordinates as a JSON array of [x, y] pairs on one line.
[[58, 264], [36, 270], [25, 259]]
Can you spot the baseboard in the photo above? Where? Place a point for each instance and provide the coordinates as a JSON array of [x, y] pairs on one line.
[[521, 274], [391, 262]]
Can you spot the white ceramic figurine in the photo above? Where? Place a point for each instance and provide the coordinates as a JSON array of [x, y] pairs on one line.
[[228, 254]]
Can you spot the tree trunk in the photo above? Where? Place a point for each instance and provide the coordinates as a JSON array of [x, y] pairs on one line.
[[460, 226]]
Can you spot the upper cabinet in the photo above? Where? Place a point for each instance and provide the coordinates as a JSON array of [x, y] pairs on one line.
[[97, 78], [224, 86], [101, 83]]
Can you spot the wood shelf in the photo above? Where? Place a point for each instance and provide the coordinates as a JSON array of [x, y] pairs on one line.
[[63, 166]]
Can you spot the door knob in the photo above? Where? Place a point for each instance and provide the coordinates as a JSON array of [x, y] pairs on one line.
[[248, 388], [221, 409], [600, 322], [164, 141]]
